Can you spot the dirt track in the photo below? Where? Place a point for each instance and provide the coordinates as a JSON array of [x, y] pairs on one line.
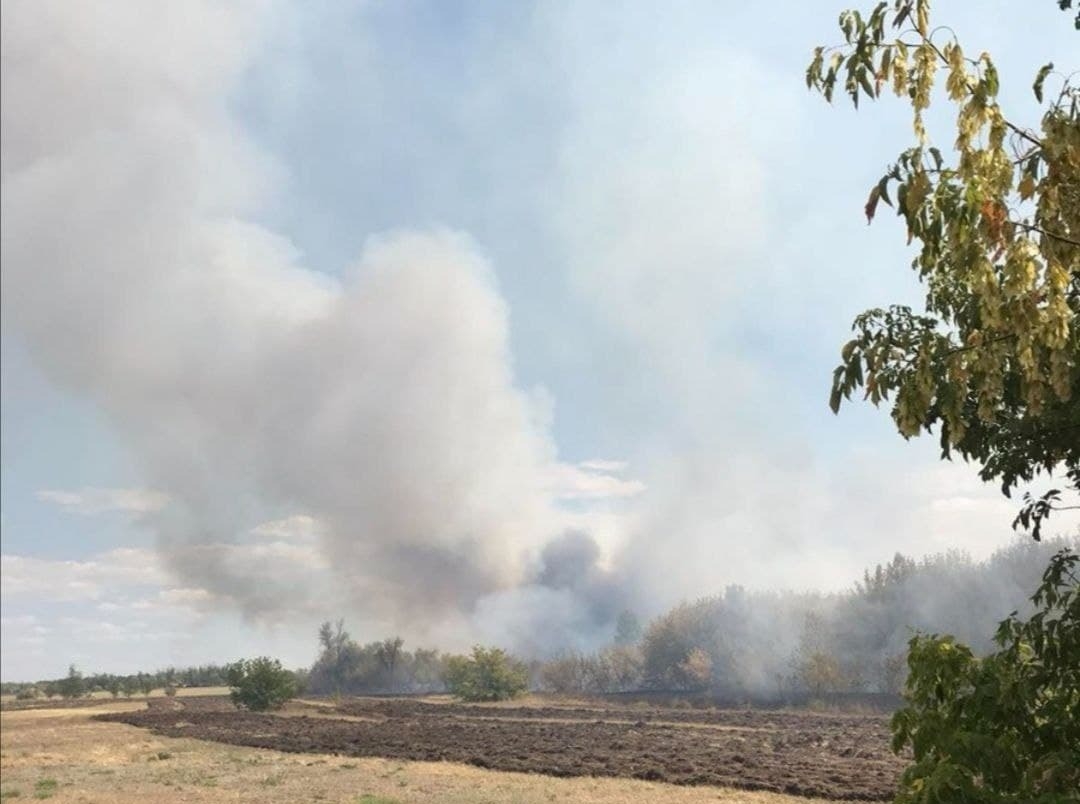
[[802, 753]]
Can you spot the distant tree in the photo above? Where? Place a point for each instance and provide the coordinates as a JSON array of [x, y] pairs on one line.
[[887, 578], [564, 674], [145, 683], [260, 684], [113, 684], [627, 628], [674, 643], [489, 674], [625, 666], [301, 678], [893, 673], [72, 685], [695, 671], [335, 642], [388, 652], [428, 670], [819, 673]]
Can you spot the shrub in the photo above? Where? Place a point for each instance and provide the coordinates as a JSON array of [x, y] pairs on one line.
[[488, 675], [260, 684]]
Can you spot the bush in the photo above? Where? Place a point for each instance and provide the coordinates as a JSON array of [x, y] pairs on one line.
[[260, 684], [488, 675], [1005, 728]]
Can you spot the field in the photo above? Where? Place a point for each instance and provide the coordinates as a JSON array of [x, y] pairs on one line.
[[407, 750]]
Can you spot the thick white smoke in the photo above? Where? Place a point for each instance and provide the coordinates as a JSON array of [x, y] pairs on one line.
[[381, 403]]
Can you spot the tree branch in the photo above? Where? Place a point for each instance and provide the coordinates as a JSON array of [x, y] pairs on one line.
[[1033, 228], [1025, 134]]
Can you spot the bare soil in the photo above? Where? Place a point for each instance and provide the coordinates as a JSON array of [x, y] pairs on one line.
[[838, 757]]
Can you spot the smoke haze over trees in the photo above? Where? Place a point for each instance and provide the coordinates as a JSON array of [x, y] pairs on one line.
[[761, 645], [748, 643]]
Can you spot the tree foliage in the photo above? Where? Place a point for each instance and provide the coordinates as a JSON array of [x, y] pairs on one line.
[[344, 666], [489, 674], [993, 359], [260, 684], [71, 686], [1005, 727]]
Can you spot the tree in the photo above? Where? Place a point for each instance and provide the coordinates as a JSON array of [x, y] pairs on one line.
[[387, 653], [489, 674], [676, 645], [145, 683], [113, 684], [1005, 727], [334, 640], [993, 361], [72, 685], [260, 684]]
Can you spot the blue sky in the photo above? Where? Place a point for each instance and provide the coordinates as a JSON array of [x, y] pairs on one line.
[[318, 310]]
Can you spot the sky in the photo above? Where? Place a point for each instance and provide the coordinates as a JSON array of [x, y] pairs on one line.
[[468, 321]]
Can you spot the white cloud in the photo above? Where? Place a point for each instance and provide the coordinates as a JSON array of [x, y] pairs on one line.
[[98, 577], [90, 501], [603, 465], [177, 600], [587, 481]]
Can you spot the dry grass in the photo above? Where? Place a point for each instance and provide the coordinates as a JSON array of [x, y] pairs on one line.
[[63, 756]]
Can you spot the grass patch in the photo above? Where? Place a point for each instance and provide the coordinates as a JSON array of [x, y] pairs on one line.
[[273, 780], [370, 798], [11, 792], [45, 788]]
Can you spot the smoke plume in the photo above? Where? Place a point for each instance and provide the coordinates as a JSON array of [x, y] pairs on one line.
[[381, 403]]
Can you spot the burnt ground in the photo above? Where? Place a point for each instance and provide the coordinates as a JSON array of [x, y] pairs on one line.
[[843, 757]]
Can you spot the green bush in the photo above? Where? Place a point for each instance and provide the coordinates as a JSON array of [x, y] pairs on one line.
[[260, 684], [1004, 728], [488, 675]]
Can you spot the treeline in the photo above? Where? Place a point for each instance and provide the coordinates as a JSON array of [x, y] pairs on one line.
[[743, 644], [736, 645], [347, 667], [777, 645], [76, 685]]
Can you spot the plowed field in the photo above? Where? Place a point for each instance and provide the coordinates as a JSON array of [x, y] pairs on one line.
[[841, 757]]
